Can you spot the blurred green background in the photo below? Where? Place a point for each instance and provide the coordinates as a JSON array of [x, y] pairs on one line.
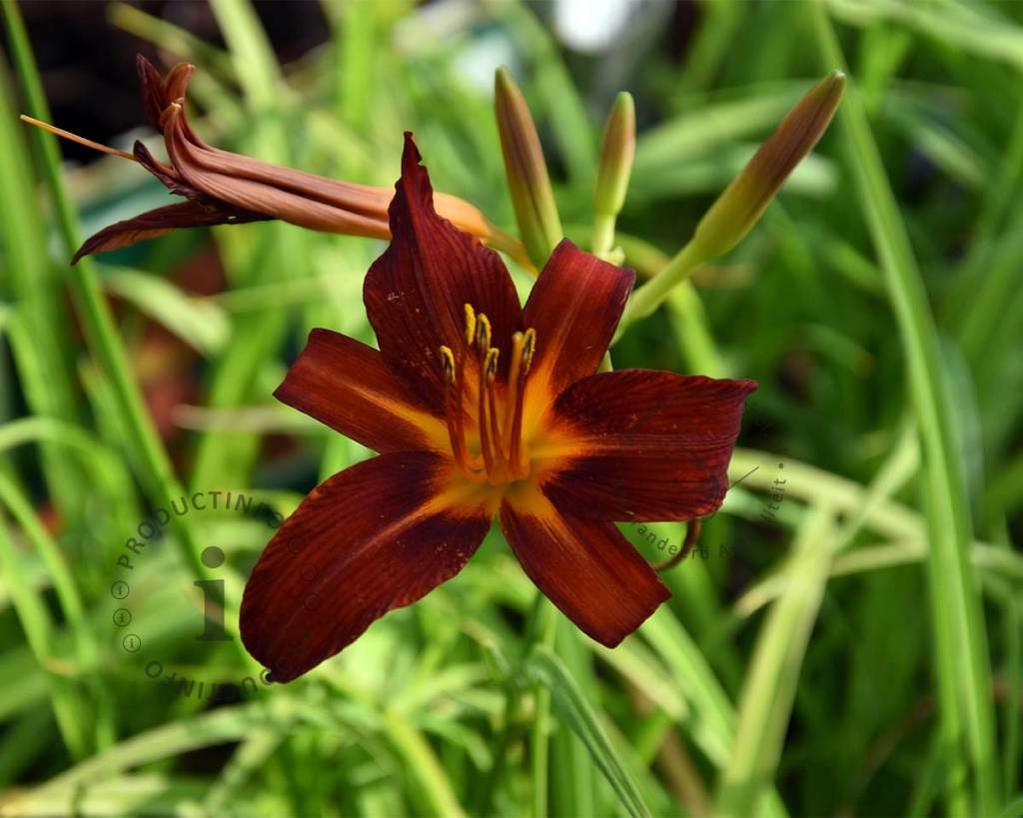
[[846, 642]]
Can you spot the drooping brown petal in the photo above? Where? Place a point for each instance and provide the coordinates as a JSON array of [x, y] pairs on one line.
[[166, 174], [647, 445], [377, 536], [333, 203], [574, 308], [276, 201], [155, 223], [159, 91], [585, 567], [152, 90], [416, 292], [348, 386]]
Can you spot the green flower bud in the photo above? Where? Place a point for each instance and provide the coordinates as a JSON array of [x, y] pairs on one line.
[[616, 156], [742, 203], [528, 182]]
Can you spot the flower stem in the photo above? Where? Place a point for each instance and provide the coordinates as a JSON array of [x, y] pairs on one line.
[[603, 234], [650, 296], [545, 621]]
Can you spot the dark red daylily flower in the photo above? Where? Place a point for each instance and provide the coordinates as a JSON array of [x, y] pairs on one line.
[[221, 187], [482, 409]]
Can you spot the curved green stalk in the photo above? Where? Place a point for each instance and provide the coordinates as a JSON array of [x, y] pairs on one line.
[[960, 637]]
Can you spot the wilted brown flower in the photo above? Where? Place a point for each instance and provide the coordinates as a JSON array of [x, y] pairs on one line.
[[227, 188]]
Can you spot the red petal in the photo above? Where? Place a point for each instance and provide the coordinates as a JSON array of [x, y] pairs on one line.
[[155, 223], [585, 567], [416, 291], [377, 536], [574, 308], [348, 386], [647, 445]]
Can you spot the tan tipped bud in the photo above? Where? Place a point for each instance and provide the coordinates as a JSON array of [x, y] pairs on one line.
[[742, 203], [528, 181], [616, 157]]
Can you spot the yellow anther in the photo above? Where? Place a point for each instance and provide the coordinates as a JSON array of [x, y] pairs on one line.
[[470, 324], [447, 360], [490, 364], [528, 348], [483, 332]]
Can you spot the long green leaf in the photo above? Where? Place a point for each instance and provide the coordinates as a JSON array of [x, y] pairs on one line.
[[960, 636], [546, 668], [153, 466], [771, 679]]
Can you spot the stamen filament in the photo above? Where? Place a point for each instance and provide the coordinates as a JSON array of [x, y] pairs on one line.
[[515, 452], [486, 444], [499, 407], [495, 428], [453, 406], [517, 467], [514, 367], [72, 137], [471, 463]]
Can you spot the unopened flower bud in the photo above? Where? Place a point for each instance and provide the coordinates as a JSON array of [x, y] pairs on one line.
[[616, 157], [742, 203], [528, 182]]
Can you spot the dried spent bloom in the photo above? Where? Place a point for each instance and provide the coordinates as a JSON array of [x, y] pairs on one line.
[[483, 409], [227, 188]]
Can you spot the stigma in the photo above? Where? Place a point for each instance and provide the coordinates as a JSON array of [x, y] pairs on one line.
[[484, 411]]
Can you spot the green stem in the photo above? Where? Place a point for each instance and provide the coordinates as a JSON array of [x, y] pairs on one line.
[[603, 234], [692, 329], [649, 297], [426, 767], [540, 738]]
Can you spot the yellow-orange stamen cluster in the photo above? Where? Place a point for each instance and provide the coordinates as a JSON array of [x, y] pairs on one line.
[[498, 427]]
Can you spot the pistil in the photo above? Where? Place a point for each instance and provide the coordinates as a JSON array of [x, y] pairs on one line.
[[73, 137]]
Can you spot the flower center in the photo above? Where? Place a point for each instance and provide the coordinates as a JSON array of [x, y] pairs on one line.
[[484, 412]]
